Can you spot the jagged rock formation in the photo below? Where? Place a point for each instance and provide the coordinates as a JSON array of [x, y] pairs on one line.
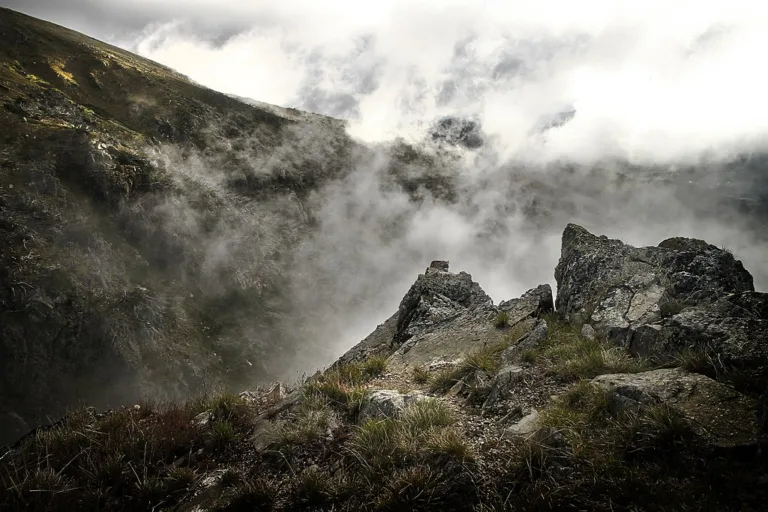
[[660, 301], [444, 316], [456, 131]]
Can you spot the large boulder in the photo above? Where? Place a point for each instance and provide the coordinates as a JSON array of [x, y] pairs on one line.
[[684, 295], [596, 275], [717, 412]]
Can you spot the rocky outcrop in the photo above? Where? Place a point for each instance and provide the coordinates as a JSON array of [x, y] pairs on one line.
[[435, 297], [444, 316], [596, 274], [723, 416], [683, 295]]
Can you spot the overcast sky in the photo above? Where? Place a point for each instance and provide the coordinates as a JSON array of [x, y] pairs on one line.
[[650, 80]]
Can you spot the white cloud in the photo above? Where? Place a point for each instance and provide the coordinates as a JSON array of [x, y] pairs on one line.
[[653, 80]]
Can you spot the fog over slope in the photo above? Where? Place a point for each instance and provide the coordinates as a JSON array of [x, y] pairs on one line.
[[667, 138]]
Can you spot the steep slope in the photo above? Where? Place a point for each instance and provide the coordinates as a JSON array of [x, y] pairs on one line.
[[122, 271], [457, 404]]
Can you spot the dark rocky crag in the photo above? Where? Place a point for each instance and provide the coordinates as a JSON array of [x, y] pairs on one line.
[[684, 294]]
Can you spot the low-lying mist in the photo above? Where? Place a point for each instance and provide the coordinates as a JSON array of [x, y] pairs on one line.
[[639, 122], [346, 253]]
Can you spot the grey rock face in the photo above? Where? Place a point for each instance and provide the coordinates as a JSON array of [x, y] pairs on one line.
[[717, 412], [502, 382], [434, 298], [659, 301], [387, 404], [443, 316], [595, 271], [533, 303]]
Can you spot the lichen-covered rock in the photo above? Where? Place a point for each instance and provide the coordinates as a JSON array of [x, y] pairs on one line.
[[387, 403], [684, 294], [435, 297], [622, 285], [723, 416], [532, 304], [502, 383]]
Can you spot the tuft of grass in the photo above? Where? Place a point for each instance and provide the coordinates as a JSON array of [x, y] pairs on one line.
[[425, 414], [223, 433], [658, 430], [312, 420], [445, 379], [376, 443], [230, 478], [258, 494], [501, 320], [449, 441], [316, 487], [570, 355], [226, 406], [424, 429], [374, 367], [181, 479], [411, 488], [350, 374], [529, 356], [343, 387], [420, 375], [700, 359], [486, 359]]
